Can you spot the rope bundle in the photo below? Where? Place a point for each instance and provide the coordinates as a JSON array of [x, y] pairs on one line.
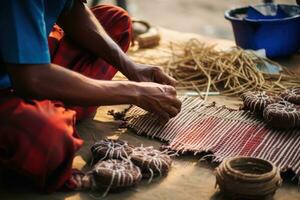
[[202, 68], [247, 178]]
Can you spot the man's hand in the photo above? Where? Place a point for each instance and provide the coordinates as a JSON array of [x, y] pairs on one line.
[[80, 24], [148, 73], [89, 34], [158, 99], [32, 81]]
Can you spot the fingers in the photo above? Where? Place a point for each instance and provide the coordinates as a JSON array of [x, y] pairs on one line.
[[170, 90], [174, 101], [163, 78], [161, 111], [172, 97], [177, 104], [168, 80], [166, 112], [172, 111], [163, 115], [170, 104], [160, 99]]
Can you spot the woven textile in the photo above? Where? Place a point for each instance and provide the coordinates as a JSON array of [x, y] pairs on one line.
[[223, 131]]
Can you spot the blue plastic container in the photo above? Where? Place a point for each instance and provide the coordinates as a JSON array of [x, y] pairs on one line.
[[278, 35]]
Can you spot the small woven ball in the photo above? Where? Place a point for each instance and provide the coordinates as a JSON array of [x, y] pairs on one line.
[[248, 178], [109, 148], [258, 101], [152, 162], [282, 115], [292, 95], [116, 174]]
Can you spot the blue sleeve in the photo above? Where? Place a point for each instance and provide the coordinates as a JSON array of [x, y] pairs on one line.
[[23, 36]]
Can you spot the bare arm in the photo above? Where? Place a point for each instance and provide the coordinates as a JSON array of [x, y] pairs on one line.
[[50, 81], [80, 24]]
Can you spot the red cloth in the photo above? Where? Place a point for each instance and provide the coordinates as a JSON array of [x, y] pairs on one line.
[[38, 139]]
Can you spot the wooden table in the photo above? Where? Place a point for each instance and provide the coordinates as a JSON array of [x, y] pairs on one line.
[[188, 179]]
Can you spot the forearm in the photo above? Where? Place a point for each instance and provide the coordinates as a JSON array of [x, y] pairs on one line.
[[57, 83], [81, 25], [53, 82]]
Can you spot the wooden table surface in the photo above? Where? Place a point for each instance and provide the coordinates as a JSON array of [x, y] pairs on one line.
[[188, 178]]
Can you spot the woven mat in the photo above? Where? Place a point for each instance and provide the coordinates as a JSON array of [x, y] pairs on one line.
[[222, 131]]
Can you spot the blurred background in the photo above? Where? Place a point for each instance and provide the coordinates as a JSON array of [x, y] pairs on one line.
[[204, 17]]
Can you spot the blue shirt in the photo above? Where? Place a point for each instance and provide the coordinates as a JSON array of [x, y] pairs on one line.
[[24, 29]]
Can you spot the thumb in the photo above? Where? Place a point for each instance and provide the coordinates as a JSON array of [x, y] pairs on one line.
[[168, 80]]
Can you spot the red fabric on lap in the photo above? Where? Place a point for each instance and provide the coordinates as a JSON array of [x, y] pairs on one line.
[[37, 138]]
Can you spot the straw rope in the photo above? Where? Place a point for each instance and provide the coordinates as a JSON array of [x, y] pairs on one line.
[[200, 67]]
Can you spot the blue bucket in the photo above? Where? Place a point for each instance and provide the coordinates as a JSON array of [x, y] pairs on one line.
[[278, 34]]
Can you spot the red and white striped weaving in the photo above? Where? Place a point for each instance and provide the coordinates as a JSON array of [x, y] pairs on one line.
[[225, 132]]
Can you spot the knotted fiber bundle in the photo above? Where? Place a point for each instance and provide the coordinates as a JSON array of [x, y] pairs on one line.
[[247, 178]]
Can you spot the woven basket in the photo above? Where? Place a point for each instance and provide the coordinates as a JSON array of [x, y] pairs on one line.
[[248, 178]]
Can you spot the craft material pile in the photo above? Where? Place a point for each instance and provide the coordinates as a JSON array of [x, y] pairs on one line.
[[198, 66], [281, 111], [220, 131], [118, 165], [248, 178]]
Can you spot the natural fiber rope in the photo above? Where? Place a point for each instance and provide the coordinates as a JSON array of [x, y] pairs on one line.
[[202, 68]]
